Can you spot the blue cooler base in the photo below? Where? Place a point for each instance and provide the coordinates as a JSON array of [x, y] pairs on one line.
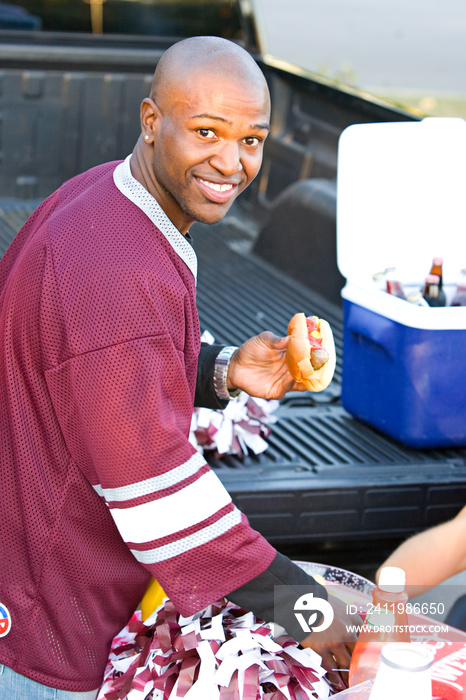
[[409, 383]]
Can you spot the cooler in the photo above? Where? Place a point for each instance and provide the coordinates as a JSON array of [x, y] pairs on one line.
[[401, 200]]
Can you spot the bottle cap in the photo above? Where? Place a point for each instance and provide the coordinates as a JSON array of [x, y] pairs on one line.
[[392, 579], [437, 261]]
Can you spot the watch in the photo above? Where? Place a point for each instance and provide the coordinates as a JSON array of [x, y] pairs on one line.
[[222, 362]]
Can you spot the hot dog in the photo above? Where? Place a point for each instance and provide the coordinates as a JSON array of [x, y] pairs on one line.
[[310, 354]]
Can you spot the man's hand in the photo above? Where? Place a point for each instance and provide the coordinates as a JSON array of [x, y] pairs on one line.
[[335, 644], [259, 368]]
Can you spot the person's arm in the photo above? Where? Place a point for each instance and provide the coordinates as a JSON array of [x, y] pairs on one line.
[[127, 427], [272, 596], [432, 556], [130, 438]]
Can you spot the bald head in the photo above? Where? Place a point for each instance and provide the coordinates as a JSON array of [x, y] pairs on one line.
[[207, 55], [202, 129]]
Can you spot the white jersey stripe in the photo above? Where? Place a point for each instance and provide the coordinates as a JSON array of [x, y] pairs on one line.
[[155, 483], [167, 516], [158, 554]]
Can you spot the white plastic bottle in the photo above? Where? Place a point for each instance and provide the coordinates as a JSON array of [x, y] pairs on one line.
[[404, 673], [385, 622]]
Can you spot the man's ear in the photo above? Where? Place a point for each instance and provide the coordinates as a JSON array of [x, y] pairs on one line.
[[150, 115]]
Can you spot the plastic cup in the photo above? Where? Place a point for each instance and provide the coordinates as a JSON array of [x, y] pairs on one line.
[[404, 673], [362, 691]]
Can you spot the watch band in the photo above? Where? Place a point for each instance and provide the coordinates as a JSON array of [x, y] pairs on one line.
[[222, 362]]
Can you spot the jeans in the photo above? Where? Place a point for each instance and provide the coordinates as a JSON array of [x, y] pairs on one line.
[[13, 686]]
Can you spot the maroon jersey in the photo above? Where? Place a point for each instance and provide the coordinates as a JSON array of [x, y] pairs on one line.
[[101, 488]]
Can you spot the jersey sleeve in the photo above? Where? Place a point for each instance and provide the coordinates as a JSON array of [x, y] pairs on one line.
[[125, 412], [272, 594]]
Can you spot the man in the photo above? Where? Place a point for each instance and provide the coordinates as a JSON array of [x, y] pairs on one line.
[[99, 354]]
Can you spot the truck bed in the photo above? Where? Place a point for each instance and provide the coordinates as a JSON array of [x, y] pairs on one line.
[[326, 480], [326, 476], [328, 488]]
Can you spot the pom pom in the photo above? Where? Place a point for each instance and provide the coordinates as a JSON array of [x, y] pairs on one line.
[[242, 427], [220, 653]]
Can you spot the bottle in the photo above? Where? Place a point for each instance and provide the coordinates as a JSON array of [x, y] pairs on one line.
[[460, 295], [437, 269], [152, 599], [386, 622], [394, 287], [431, 292], [404, 673]]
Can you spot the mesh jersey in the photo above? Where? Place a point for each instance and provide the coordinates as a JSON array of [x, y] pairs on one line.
[[100, 485]]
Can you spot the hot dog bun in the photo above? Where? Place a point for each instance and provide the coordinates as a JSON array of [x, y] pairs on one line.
[[298, 354]]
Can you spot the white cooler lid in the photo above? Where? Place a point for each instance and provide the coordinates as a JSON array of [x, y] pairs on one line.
[[401, 200]]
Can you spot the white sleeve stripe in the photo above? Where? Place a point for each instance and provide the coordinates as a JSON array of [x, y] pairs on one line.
[[167, 516], [99, 489], [155, 483], [158, 554]]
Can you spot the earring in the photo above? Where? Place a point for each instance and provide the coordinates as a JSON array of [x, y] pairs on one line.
[[146, 137]]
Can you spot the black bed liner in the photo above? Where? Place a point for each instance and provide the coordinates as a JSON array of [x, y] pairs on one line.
[[325, 476]]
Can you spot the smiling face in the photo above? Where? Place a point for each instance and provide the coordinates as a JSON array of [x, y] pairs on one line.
[[205, 137]]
